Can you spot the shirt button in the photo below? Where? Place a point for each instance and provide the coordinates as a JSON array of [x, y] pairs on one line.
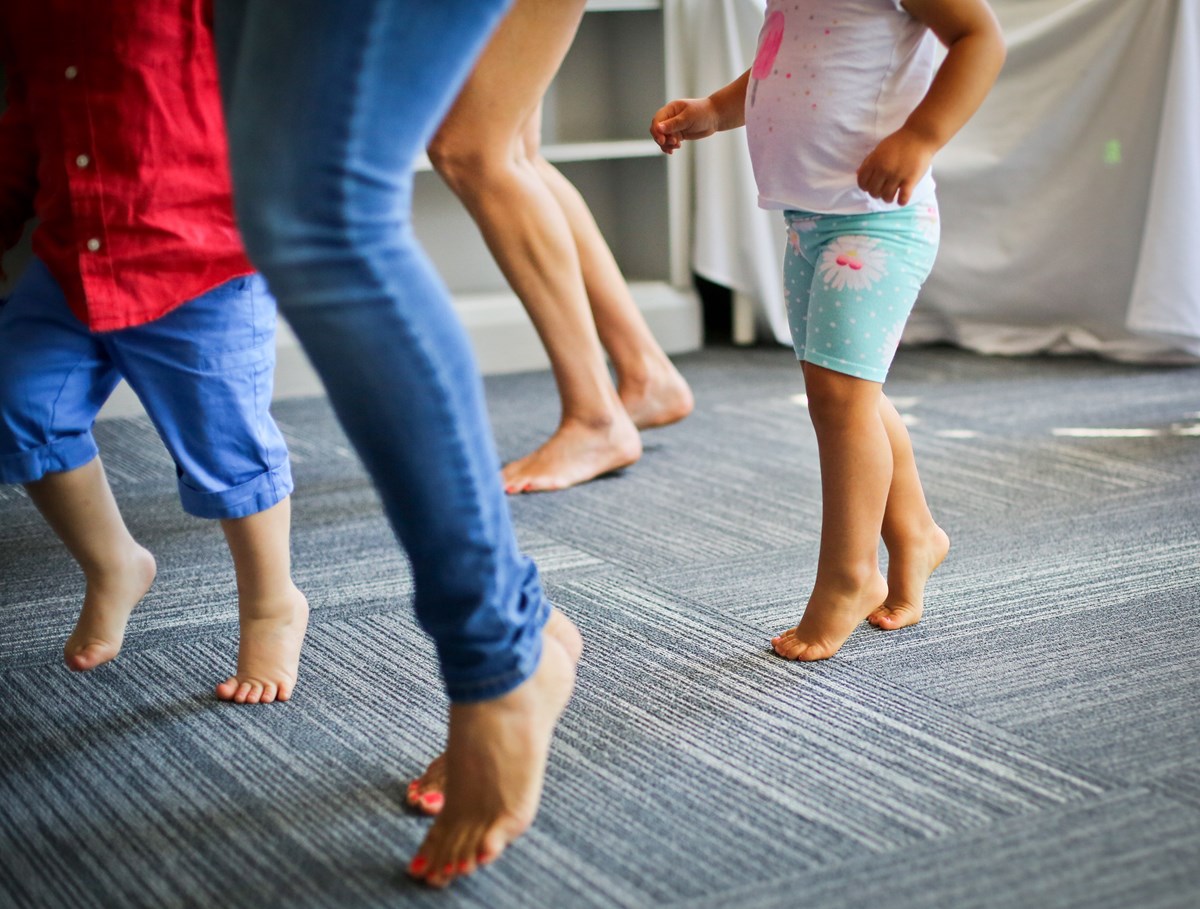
[[83, 160], [71, 72], [93, 244]]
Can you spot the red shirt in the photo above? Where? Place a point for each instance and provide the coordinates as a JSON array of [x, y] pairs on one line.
[[114, 138]]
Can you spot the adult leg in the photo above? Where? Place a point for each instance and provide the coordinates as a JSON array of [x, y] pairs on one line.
[[856, 473], [916, 544], [54, 378], [330, 106], [484, 152], [650, 387]]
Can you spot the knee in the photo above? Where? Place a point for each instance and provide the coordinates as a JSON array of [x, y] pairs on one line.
[[471, 168], [836, 400]]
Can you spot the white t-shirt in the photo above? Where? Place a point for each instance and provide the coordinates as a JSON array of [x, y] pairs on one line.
[[830, 80]]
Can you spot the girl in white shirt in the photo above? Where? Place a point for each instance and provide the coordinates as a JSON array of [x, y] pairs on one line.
[[845, 107]]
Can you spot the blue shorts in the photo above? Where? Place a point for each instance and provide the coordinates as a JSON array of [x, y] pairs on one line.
[[850, 282], [203, 372]]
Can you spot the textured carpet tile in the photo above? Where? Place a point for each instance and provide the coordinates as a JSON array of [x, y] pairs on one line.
[[1133, 850], [1030, 744]]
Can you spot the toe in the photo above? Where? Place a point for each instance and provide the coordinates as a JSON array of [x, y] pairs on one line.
[[269, 692], [430, 803]]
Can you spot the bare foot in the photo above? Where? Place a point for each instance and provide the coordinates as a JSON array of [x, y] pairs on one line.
[[268, 650], [427, 792], [828, 620], [107, 604], [576, 453], [660, 399], [496, 764], [908, 570]]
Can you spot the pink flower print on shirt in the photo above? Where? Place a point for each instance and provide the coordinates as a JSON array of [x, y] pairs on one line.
[[854, 262], [769, 42]]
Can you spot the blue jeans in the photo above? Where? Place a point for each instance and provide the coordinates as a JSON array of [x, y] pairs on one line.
[[328, 106]]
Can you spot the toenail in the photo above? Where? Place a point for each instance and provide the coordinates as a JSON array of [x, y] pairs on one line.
[[432, 799], [463, 866], [418, 864], [448, 870]]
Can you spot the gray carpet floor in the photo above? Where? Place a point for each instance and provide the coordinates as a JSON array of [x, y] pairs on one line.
[[1034, 742]]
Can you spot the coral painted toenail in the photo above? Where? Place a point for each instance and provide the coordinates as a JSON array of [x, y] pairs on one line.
[[432, 799], [418, 864], [463, 866]]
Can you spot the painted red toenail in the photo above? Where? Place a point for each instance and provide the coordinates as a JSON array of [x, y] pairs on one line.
[[432, 799], [448, 870], [418, 864], [463, 866]]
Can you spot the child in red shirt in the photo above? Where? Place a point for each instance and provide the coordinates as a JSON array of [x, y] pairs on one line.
[[114, 139]]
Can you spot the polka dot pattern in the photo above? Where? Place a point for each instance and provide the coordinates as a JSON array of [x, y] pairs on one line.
[[850, 282]]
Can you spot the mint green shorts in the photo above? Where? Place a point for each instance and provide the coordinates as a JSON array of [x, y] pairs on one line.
[[850, 282]]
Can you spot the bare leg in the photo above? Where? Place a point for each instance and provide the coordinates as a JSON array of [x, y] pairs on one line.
[[80, 508], [272, 612], [427, 792], [495, 763], [916, 544], [856, 473], [651, 388], [482, 151]]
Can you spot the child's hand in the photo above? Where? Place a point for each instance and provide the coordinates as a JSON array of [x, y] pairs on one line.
[[687, 118], [892, 171]]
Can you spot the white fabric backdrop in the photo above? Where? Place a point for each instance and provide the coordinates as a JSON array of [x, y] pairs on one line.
[[1070, 203]]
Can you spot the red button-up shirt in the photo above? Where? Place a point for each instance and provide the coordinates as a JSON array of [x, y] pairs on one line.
[[114, 138]]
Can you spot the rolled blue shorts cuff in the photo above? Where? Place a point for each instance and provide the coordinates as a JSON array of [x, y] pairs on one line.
[[264, 491], [854, 370], [54, 457], [524, 664]]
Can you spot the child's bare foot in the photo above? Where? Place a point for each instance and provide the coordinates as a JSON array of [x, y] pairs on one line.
[[427, 792], [660, 399], [268, 650], [496, 764], [909, 567], [576, 453], [107, 604], [828, 620]]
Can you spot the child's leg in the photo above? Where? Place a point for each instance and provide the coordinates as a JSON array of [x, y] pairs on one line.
[[79, 507], [272, 612], [204, 372], [850, 282], [856, 471], [916, 544], [54, 377]]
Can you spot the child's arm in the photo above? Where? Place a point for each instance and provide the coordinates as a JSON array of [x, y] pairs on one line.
[[976, 52], [695, 118]]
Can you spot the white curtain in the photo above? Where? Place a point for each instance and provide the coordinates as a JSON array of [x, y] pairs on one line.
[[1070, 202]]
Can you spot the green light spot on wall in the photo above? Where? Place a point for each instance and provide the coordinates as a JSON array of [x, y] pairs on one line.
[[1112, 151]]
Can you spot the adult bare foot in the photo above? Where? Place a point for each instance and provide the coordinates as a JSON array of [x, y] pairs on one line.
[[107, 605], [659, 398], [829, 620], [427, 792], [496, 764], [576, 453], [909, 567], [272, 634]]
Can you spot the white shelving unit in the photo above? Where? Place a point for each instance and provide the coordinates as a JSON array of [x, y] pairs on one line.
[[596, 130]]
